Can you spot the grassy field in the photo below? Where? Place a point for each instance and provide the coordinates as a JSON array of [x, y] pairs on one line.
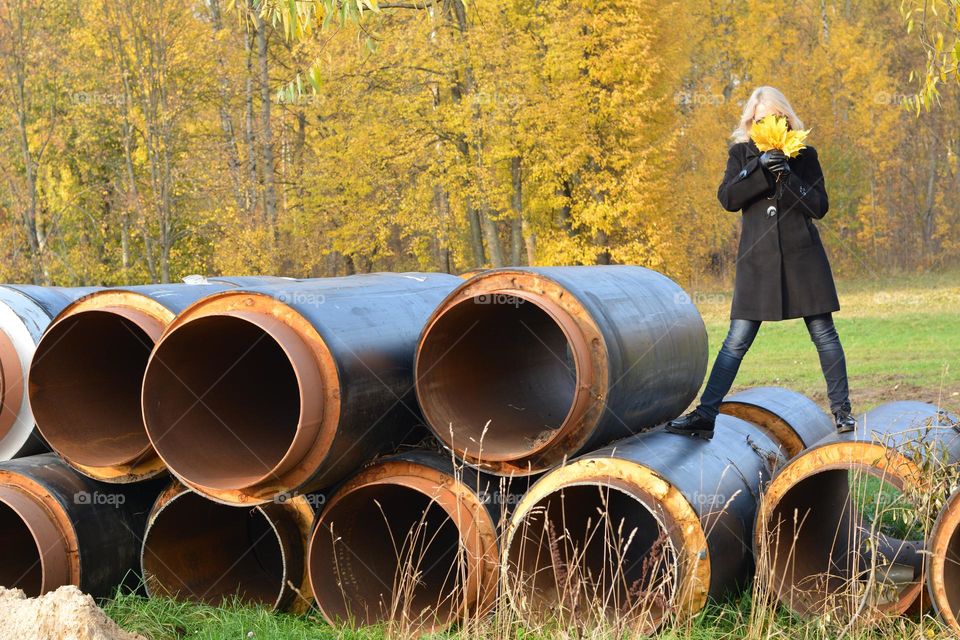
[[902, 340]]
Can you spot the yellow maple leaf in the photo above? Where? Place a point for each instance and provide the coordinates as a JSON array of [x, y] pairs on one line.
[[772, 133]]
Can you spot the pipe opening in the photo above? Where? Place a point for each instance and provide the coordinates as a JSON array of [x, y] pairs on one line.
[[497, 359], [21, 567], [204, 551], [593, 552], [388, 552], [839, 536], [85, 388], [222, 402]]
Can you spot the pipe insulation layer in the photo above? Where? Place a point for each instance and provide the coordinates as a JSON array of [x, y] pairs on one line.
[[520, 367], [823, 531], [650, 525], [200, 550], [86, 377], [410, 539], [59, 527], [25, 312], [300, 384]]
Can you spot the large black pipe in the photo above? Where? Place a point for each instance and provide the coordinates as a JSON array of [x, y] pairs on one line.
[[790, 418], [823, 549], [86, 376], [58, 527], [25, 312], [943, 574], [411, 540], [200, 550], [521, 367], [300, 383], [645, 528]]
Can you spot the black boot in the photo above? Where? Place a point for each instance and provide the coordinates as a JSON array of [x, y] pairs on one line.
[[692, 424], [844, 420]]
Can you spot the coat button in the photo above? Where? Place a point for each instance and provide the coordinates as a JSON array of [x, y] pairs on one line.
[[771, 211], [743, 173]]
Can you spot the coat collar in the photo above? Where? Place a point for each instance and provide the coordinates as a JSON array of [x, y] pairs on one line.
[[752, 150]]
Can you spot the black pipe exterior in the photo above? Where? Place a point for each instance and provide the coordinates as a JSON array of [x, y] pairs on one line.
[[60, 527], [522, 367], [27, 310], [345, 348], [85, 380], [415, 512], [790, 418], [203, 551], [700, 497], [818, 545]]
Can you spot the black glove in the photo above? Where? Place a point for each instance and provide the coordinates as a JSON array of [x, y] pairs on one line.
[[774, 161]]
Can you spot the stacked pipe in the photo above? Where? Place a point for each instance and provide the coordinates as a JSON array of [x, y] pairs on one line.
[[411, 539], [820, 524], [86, 375], [25, 312], [943, 575], [654, 524], [201, 550], [58, 527]]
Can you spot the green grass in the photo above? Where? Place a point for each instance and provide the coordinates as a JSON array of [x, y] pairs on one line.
[[164, 619], [902, 341]]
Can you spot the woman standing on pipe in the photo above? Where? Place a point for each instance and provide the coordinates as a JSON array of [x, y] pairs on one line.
[[782, 268]]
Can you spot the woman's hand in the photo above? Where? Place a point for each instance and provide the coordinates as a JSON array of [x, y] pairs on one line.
[[774, 161]]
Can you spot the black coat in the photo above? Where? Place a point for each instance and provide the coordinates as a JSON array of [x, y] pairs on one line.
[[782, 268]]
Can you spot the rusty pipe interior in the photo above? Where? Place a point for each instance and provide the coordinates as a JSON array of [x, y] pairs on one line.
[[21, 568], [503, 371], [85, 385], [943, 575], [403, 550], [591, 548], [35, 557], [223, 400], [951, 575], [200, 550], [827, 543]]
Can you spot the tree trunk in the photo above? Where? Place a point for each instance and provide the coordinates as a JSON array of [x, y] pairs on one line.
[[226, 120], [253, 196], [483, 228], [266, 130], [516, 226]]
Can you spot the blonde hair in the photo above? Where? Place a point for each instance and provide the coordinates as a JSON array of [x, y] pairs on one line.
[[772, 98]]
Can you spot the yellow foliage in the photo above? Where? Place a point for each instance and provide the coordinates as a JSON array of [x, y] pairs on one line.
[[773, 132]]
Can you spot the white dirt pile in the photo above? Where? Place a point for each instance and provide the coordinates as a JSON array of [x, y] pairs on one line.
[[64, 614]]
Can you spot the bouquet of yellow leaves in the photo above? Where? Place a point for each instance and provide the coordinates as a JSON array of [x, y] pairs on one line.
[[772, 133]]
